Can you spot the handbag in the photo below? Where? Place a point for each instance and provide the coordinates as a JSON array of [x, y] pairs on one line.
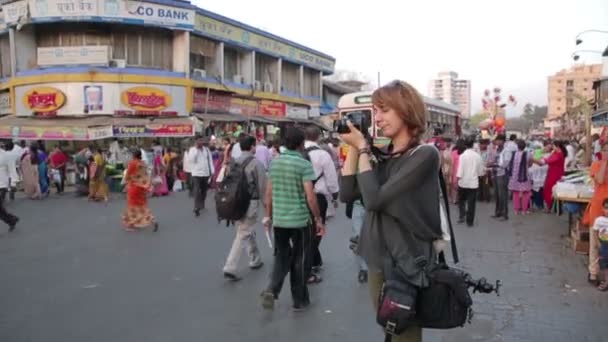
[[444, 304], [177, 186], [157, 180]]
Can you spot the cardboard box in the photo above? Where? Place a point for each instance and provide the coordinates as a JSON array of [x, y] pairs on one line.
[[580, 241]]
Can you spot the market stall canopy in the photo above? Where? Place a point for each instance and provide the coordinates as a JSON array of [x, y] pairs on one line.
[[73, 128], [600, 117], [312, 122], [220, 117]]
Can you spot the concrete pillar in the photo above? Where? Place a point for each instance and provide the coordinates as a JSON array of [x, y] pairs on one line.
[[218, 66], [12, 44], [301, 80], [252, 61], [279, 76], [181, 52], [320, 86], [247, 67]]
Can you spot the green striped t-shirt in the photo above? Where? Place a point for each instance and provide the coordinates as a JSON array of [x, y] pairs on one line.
[[287, 175]]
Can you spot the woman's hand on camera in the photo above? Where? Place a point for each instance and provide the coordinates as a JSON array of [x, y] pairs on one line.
[[355, 138]]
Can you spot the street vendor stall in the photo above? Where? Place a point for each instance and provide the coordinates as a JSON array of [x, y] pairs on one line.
[[572, 195]]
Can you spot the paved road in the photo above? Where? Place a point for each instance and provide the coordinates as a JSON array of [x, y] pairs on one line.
[[70, 274]]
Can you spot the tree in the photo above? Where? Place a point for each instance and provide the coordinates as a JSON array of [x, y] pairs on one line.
[[477, 118], [534, 114], [518, 124]]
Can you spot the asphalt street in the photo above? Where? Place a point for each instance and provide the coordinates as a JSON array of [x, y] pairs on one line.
[[69, 273]]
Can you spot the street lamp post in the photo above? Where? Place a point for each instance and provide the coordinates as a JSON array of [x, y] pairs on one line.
[[585, 108], [579, 41], [576, 54]]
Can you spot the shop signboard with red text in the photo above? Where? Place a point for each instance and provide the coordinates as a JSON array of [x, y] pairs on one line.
[[154, 130], [272, 108], [90, 98], [221, 102]]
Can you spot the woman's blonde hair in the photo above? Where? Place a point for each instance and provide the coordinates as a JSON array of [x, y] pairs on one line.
[[407, 102]]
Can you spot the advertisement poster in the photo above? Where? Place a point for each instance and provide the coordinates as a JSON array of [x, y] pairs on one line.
[[44, 133], [273, 108], [93, 99], [153, 130]]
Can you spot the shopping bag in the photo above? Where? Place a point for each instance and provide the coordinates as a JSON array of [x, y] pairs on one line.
[[221, 174], [56, 176], [157, 180], [177, 186]]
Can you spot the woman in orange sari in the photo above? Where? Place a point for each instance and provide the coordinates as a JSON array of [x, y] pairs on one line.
[[599, 173], [138, 215]]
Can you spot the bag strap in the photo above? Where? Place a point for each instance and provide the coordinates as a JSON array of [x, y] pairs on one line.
[[444, 192], [246, 163]]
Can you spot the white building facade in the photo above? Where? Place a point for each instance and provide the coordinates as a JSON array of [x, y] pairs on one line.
[[449, 88]]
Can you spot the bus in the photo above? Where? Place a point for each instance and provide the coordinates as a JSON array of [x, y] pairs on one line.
[[442, 117]]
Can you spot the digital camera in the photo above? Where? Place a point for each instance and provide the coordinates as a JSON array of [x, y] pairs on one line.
[[358, 119]]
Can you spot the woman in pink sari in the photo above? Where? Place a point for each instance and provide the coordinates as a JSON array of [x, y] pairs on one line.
[[160, 176]]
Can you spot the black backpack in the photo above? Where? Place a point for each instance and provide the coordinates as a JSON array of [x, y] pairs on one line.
[[306, 155], [233, 196]]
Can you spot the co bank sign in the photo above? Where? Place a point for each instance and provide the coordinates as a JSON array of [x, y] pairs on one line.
[[163, 14]]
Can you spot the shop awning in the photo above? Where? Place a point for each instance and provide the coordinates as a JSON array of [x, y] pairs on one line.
[[73, 128], [263, 119], [175, 127], [312, 122], [600, 117], [220, 117]]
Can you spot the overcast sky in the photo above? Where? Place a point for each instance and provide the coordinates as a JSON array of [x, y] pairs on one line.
[[512, 44]]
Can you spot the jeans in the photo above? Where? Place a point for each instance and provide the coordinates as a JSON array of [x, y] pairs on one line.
[[467, 198], [502, 196], [245, 237], [290, 247], [315, 253], [484, 189], [200, 185], [358, 215], [537, 199], [61, 185]]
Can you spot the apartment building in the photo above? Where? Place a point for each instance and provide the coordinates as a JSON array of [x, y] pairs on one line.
[[449, 88], [576, 80]]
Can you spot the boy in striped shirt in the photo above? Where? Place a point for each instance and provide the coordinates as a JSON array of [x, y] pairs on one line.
[[290, 198]]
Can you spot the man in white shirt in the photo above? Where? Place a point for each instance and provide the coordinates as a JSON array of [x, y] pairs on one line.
[[5, 162], [596, 146], [470, 168], [571, 157], [15, 152], [201, 164], [325, 187], [236, 148], [188, 171]]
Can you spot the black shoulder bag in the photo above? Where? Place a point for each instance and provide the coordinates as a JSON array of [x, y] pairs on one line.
[[444, 304]]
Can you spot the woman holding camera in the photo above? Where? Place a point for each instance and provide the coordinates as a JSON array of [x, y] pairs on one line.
[[400, 191]]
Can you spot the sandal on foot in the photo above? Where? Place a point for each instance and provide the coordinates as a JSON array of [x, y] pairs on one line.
[[592, 279], [314, 279], [603, 286]]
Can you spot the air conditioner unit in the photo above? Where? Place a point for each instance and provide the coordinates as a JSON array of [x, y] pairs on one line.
[[268, 87], [118, 63], [199, 73], [257, 85], [237, 79]]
